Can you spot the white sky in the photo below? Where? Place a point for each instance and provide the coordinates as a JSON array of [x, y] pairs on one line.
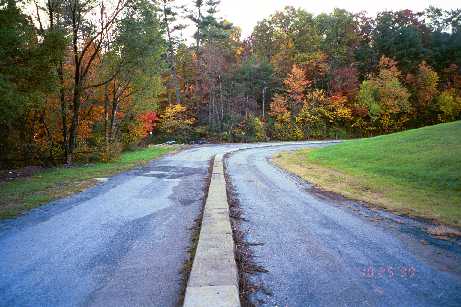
[[246, 13]]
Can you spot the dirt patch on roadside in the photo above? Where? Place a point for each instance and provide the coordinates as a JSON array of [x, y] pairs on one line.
[[8, 175], [443, 232]]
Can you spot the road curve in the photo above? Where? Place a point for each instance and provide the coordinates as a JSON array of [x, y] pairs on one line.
[[122, 243], [325, 251]]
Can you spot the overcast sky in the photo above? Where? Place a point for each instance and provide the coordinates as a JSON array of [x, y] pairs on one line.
[[246, 13]]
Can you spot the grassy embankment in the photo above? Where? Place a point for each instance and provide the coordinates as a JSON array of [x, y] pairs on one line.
[[416, 172], [22, 194]]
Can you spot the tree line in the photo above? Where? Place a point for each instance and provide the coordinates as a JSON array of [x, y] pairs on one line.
[[82, 80]]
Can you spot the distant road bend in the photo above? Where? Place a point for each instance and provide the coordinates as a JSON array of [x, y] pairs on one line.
[[124, 242]]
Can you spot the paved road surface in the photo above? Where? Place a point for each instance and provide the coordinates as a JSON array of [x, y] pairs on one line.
[[325, 252], [122, 243]]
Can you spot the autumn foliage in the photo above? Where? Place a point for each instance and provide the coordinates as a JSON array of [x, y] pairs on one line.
[[86, 91]]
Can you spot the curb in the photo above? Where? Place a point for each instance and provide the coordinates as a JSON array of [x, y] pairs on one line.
[[213, 280]]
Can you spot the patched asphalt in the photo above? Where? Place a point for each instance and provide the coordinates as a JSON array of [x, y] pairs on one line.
[[122, 243], [327, 251], [125, 241]]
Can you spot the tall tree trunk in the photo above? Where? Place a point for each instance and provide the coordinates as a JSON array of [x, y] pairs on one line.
[[72, 140], [76, 95], [171, 55], [106, 120], [49, 136], [53, 17], [62, 99], [197, 51], [246, 106], [113, 117], [113, 122], [221, 102], [209, 111], [74, 125]]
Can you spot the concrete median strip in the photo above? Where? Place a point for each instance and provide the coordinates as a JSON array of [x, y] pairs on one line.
[[214, 278]]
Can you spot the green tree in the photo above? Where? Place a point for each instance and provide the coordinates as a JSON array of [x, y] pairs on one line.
[[385, 98], [171, 26], [134, 64], [401, 35], [254, 79], [340, 36], [445, 37], [26, 78]]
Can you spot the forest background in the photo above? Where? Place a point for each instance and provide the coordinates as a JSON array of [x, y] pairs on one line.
[[83, 80]]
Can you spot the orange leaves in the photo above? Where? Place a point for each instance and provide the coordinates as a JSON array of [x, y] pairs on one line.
[[385, 97], [304, 111], [426, 84], [338, 100], [389, 65], [278, 106], [284, 127], [148, 120], [297, 84]]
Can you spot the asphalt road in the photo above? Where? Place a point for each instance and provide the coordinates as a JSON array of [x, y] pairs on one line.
[[122, 243], [321, 250]]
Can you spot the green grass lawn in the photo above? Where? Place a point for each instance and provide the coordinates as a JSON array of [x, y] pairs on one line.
[[20, 195], [416, 172]]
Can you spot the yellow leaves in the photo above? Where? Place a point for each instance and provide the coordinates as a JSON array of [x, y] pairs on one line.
[[176, 112], [175, 118], [344, 113], [260, 130], [449, 105], [317, 98], [340, 110], [306, 117], [172, 110], [284, 127], [386, 121], [386, 90], [239, 52]]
